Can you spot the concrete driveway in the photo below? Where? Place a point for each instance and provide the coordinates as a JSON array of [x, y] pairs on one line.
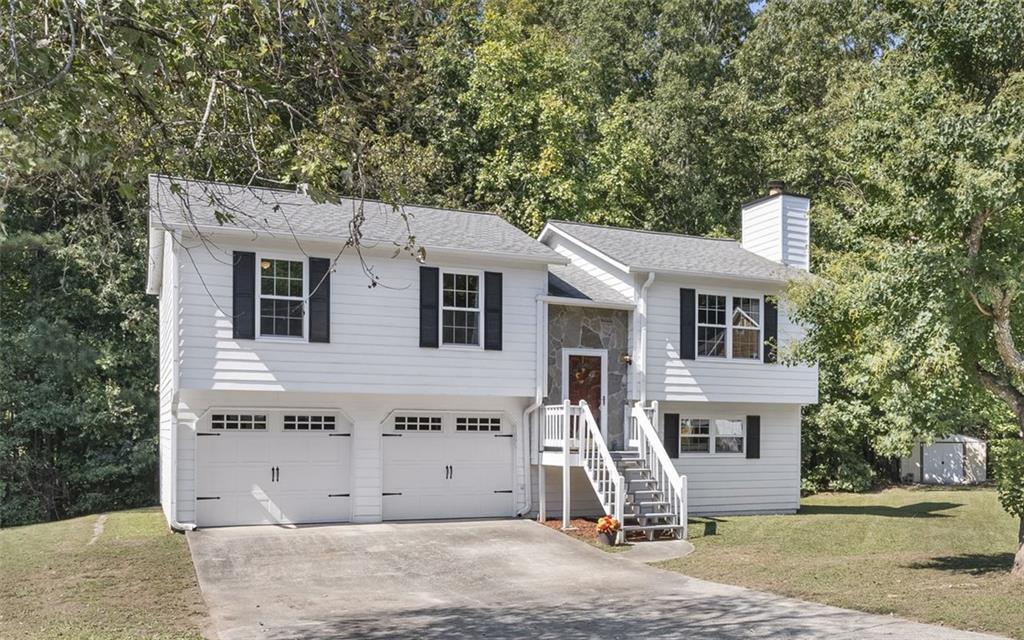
[[493, 579]]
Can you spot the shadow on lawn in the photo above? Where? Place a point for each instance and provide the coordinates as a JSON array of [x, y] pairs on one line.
[[975, 564], [919, 510]]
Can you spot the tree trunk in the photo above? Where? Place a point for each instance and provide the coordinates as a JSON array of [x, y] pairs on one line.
[[1018, 560]]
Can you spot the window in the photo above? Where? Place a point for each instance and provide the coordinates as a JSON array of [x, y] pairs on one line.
[[417, 423], [238, 422], [460, 309], [703, 435], [694, 435], [728, 436], [309, 423], [472, 423], [711, 326], [282, 307], [746, 328]]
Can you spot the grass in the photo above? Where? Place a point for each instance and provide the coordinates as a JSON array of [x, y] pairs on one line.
[[133, 580], [934, 555]]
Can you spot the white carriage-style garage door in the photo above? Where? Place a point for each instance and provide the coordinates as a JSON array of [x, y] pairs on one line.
[[272, 468], [447, 466]]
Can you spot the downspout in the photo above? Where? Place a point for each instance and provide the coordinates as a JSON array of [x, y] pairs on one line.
[[538, 399], [180, 527], [642, 309]]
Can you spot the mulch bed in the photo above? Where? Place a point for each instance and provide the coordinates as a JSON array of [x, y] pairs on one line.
[[586, 530]]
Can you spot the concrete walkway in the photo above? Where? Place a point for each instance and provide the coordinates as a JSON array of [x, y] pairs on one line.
[[493, 579]]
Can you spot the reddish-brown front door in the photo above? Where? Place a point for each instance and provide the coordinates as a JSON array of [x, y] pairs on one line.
[[585, 382]]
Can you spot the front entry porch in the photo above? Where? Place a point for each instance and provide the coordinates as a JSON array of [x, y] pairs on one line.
[[637, 484]]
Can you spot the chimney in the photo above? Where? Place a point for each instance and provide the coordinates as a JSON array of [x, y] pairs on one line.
[[776, 226]]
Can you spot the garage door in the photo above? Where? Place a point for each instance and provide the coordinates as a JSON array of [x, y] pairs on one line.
[[447, 466], [286, 468], [944, 463]]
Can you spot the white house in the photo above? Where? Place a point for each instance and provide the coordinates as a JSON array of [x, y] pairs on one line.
[[304, 378], [955, 459]]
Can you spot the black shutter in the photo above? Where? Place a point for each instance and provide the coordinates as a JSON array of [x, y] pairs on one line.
[[492, 310], [429, 299], [319, 300], [753, 436], [243, 296], [688, 324], [771, 329], [671, 438]]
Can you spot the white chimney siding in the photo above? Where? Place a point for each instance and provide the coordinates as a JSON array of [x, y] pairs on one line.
[[777, 228]]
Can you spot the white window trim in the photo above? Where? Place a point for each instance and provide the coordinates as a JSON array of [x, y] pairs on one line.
[[305, 298], [479, 310], [728, 327], [712, 436]]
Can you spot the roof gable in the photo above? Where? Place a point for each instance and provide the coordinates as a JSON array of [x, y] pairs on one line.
[[639, 250]]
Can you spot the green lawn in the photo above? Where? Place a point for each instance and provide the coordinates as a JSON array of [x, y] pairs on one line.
[[134, 580], [933, 555]]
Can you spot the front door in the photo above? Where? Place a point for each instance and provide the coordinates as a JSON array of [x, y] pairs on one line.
[[586, 376]]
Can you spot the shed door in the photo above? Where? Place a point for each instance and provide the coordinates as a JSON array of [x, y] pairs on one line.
[[944, 463]]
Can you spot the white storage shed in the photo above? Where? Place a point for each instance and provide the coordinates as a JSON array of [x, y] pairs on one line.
[[956, 459]]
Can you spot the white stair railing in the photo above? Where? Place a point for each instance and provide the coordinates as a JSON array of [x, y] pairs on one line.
[[597, 461], [655, 458]]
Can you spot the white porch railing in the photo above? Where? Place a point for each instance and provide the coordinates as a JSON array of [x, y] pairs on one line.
[[608, 483], [633, 429], [557, 419], [655, 458]]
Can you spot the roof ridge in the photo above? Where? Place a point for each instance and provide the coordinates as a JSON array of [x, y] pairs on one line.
[[650, 231], [294, 192]]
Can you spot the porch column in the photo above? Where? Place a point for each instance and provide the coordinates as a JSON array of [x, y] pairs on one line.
[[566, 428]]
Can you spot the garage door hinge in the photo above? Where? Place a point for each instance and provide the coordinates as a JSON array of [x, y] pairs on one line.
[[207, 434], [395, 493], [208, 498], [337, 495], [503, 491], [503, 435]]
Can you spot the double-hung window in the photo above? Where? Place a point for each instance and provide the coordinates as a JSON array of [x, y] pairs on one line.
[[721, 334], [460, 308], [706, 435], [282, 302], [711, 326], [746, 328]]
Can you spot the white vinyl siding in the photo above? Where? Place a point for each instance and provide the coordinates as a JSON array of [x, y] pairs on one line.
[[374, 344], [733, 483], [671, 378], [595, 266]]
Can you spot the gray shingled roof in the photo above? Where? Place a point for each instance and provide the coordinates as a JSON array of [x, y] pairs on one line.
[[569, 281], [279, 212], [670, 252]]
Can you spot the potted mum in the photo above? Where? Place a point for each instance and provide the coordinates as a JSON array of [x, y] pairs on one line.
[[607, 530]]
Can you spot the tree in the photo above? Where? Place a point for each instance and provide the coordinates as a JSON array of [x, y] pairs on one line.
[[921, 295]]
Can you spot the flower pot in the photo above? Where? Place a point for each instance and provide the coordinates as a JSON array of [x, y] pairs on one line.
[[607, 538]]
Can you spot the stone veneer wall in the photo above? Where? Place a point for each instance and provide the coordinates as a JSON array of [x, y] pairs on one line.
[[586, 327]]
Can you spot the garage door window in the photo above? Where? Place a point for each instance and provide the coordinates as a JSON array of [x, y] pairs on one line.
[[309, 423], [417, 423], [477, 424], [238, 422]]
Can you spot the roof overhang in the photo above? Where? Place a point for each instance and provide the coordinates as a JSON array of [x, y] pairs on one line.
[[551, 229], [586, 302], [252, 234]]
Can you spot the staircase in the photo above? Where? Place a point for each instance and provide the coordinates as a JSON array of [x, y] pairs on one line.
[[639, 485], [648, 508]]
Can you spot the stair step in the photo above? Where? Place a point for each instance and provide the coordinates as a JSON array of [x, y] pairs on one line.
[[652, 527], [653, 502], [657, 514], [645, 491]]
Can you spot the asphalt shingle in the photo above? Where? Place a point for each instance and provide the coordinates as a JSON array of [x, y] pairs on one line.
[[670, 252], [278, 212]]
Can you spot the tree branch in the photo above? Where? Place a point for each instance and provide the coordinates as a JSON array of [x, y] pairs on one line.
[[1005, 345], [1003, 389], [72, 51]]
